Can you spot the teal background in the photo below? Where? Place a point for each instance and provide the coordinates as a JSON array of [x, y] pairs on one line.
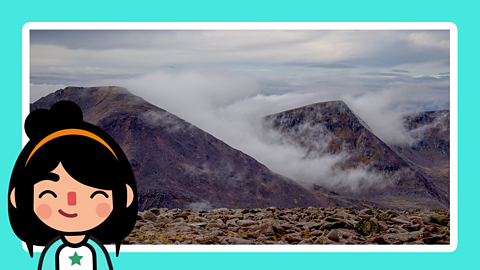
[[14, 15]]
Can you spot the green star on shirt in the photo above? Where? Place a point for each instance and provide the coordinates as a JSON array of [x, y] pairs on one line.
[[75, 258]]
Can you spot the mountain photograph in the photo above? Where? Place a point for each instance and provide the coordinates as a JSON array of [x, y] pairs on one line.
[[267, 137]]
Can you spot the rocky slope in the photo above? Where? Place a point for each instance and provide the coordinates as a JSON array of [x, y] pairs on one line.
[[273, 226], [331, 129], [178, 165]]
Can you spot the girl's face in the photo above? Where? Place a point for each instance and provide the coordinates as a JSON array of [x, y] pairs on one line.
[[67, 205]]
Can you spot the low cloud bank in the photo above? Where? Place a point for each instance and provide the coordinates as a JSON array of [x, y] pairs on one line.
[[229, 104]]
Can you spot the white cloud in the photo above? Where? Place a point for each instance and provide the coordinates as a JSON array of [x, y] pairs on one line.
[[435, 39], [228, 105]]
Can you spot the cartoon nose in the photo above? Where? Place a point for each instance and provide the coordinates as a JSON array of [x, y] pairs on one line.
[[72, 198]]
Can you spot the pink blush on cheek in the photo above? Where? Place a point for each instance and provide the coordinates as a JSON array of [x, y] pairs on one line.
[[44, 211], [103, 210]]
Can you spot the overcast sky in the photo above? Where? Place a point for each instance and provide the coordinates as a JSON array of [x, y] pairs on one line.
[[280, 61], [218, 79]]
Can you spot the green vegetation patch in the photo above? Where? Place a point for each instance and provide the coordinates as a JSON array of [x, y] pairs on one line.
[[366, 227]]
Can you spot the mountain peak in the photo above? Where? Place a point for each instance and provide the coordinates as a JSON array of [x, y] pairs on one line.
[[338, 107], [331, 131], [324, 104]]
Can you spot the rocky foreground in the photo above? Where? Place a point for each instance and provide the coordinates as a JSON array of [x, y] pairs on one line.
[[274, 226]]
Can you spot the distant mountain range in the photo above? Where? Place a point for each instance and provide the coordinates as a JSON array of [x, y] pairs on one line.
[[178, 165], [430, 153]]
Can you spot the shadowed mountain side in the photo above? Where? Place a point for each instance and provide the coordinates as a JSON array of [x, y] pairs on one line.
[[430, 151], [331, 129], [176, 164]]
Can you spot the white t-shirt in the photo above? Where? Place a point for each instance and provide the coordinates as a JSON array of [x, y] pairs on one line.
[[88, 255], [80, 258]]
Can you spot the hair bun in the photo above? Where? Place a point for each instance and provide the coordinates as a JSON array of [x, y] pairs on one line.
[[63, 114], [66, 112], [38, 123]]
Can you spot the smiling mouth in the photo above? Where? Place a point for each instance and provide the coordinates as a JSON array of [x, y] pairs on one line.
[[67, 214]]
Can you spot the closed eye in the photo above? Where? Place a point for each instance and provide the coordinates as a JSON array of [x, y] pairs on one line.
[[47, 192], [98, 192]]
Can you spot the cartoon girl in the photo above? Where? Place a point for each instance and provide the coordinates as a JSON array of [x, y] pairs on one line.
[[71, 190]]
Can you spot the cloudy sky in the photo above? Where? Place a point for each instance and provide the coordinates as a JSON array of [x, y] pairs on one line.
[[218, 80]]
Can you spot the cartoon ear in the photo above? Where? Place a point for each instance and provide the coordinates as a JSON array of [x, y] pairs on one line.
[[12, 198], [129, 195]]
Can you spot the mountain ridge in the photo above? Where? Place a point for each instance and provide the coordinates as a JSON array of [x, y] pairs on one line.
[[176, 164]]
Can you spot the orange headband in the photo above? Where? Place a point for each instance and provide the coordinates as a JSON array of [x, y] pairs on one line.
[[66, 132]]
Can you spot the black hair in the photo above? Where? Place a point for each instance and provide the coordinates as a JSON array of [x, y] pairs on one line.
[[85, 159]]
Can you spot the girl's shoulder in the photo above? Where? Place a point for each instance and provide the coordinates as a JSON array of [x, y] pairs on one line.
[[49, 256], [103, 258]]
